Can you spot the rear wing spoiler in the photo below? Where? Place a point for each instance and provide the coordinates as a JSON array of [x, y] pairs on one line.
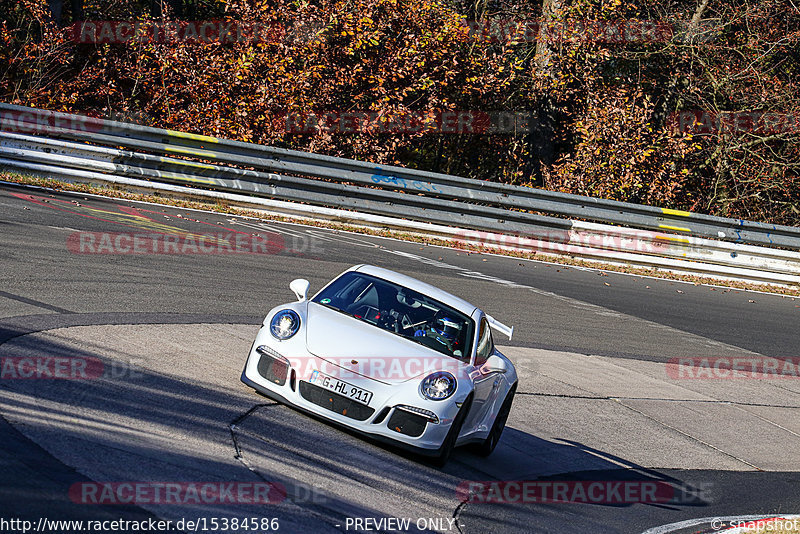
[[500, 327]]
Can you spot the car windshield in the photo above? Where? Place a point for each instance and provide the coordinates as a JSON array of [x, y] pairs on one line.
[[401, 311]]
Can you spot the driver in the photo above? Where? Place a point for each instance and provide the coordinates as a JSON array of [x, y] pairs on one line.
[[444, 330]]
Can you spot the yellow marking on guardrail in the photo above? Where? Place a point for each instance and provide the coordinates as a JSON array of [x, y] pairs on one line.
[[674, 228], [671, 238], [192, 152], [680, 213], [187, 163], [188, 178], [193, 137]]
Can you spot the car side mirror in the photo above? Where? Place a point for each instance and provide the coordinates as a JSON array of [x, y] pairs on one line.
[[495, 364], [300, 288]]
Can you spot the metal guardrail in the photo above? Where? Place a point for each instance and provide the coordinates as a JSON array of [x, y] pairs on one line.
[[428, 184], [59, 143]]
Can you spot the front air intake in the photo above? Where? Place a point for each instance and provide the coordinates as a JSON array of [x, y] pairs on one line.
[[407, 422], [272, 366]]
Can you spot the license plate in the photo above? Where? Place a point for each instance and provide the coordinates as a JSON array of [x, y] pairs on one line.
[[342, 388]]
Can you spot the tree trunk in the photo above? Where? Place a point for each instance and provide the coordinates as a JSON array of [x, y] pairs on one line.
[[57, 10], [541, 138], [545, 50]]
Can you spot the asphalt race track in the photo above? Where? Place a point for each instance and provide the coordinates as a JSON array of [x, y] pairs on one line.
[[599, 403]]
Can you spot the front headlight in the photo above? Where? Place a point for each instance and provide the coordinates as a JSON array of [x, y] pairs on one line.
[[284, 324], [438, 386]]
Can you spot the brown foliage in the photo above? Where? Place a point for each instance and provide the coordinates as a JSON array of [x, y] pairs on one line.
[[606, 108]]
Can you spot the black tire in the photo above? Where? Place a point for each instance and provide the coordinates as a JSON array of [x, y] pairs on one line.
[[449, 443], [487, 446]]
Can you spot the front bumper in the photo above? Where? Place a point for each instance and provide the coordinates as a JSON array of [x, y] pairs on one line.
[[283, 372]]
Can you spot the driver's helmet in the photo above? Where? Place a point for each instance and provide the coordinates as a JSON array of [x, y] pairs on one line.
[[447, 328]]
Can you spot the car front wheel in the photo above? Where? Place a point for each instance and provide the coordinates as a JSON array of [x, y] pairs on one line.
[[449, 443], [487, 446]]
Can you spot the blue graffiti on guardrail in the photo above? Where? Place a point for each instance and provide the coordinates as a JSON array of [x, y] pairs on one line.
[[406, 184]]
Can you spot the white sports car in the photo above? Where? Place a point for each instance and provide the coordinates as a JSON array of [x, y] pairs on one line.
[[391, 357]]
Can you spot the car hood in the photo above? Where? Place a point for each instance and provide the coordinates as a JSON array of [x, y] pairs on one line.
[[363, 349]]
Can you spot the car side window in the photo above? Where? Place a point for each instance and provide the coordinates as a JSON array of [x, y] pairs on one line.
[[485, 343]]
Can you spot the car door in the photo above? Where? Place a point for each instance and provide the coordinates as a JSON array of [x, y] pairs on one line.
[[485, 385]]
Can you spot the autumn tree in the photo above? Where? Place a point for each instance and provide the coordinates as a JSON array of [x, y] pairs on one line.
[[688, 104]]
